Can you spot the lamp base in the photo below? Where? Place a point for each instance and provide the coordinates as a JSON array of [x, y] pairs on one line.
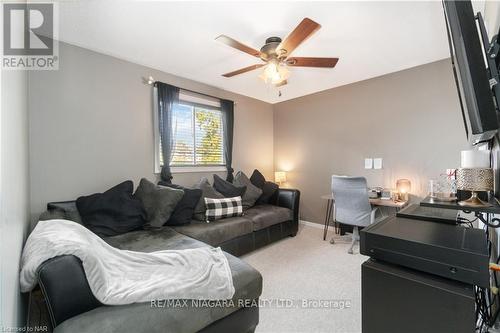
[[402, 197], [474, 201]]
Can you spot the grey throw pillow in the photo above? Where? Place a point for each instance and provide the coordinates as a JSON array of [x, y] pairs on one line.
[[251, 194], [159, 202], [207, 192]]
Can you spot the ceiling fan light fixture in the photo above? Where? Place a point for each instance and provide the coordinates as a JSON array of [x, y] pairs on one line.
[[275, 54], [275, 72]]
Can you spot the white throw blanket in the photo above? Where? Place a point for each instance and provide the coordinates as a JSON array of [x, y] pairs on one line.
[[123, 277]]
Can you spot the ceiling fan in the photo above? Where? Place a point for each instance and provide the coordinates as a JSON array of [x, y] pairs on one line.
[[276, 54]]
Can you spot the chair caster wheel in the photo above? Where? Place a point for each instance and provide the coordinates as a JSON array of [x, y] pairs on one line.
[[332, 241], [350, 252]]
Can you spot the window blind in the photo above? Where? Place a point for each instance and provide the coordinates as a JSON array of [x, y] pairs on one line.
[[197, 132]]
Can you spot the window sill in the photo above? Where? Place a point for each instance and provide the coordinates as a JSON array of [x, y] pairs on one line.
[[198, 169]]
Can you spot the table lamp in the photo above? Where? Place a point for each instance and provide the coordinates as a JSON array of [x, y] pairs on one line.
[[403, 187], [280, 177], [474, 180]]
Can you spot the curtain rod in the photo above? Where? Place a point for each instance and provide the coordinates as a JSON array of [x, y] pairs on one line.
[[151, 81]]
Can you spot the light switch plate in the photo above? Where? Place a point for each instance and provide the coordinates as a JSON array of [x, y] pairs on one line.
[[368, 163], [377, 163]]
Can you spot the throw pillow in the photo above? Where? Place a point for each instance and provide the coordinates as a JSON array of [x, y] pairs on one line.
[[269, 189], [258, 179], [207, 192], [159, 202], [269, 193], [251, 194], [227, 189], [221, 208], [184, 211], [113, 212]]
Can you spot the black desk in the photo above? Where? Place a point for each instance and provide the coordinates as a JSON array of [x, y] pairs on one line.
[[479, 212], [432, 214], [429, 202]]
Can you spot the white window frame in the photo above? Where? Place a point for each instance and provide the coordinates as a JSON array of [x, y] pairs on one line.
[[187, 97]]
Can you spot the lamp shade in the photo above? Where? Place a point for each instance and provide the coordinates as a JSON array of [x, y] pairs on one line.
[[475, 179], [280, 176], [403, 186]]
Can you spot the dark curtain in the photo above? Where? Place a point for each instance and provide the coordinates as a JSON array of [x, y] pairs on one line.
[[227, 108], [167, 96]]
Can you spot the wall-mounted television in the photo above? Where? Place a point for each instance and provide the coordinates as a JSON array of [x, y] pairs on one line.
[[471, 72]]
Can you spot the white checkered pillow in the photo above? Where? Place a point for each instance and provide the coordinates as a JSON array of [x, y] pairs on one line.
[[221, 208]]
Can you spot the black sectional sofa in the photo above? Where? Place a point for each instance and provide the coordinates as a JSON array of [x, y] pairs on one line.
[[73, 308]]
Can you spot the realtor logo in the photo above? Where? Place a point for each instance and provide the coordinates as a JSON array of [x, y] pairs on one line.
[[29, 36]]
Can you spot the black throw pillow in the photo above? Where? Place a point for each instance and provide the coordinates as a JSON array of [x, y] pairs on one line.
[[113, 212], [269, 192], [227, 189], [269, 189], [258, 179], [184, 211]]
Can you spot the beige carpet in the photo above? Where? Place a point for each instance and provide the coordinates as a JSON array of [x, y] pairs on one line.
[[307, 268]]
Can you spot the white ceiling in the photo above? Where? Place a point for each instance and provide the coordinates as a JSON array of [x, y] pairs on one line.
[[370, 38]]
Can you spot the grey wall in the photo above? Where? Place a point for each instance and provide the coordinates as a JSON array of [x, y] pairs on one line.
[[14, 193], [410, 118], [91, 126]]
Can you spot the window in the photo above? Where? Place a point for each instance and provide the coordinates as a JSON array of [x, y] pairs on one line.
[[197, 135]]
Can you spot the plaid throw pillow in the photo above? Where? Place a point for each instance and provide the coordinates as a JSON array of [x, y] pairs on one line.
[[221, 208]]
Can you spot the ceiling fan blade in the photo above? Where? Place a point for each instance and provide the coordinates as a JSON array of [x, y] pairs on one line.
[[242, 70], [305, 29], [281, 84], [237, 45], [312, 62]]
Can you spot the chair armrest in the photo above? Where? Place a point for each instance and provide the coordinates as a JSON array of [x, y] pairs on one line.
[[289, 198], [65, 288]]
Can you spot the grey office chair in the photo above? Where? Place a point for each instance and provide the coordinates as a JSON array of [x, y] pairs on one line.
[[352, 205]]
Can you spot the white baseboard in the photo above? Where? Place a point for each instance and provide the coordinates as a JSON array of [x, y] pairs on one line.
[[315, 225]]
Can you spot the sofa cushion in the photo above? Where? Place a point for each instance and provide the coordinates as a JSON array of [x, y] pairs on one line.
[[263, 216], [113, 212], [228, 189], [217, 232], [247, 281], [183, 213], [153, 240], [159, 202], [143, 317], [251, 194], [207, 192]]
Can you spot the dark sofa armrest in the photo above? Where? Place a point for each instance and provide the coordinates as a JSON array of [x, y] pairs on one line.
[[290, 198], [65, 288]]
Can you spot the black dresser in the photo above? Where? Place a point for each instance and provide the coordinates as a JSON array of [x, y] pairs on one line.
[[421, 275]]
